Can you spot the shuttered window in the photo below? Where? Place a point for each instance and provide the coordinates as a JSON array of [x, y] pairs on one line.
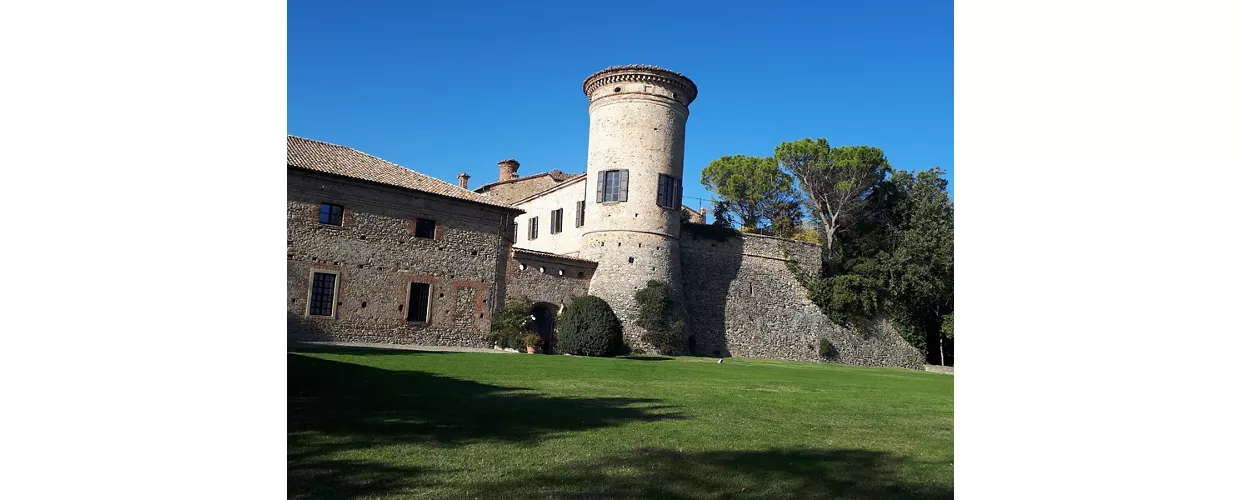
[[581, 213], [557, 221], [533, 230], [419, 302], [613, 185], [669, 191]]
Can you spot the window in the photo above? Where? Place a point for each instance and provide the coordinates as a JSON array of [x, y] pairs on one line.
[[424, 228], [613, 185], [419, 302], [581, 213], [557, 221], [331, 214], [322, 294], [533, 229], [669, 191]]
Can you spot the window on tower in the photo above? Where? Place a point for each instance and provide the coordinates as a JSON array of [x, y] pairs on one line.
[[613, 185], [669, 191]]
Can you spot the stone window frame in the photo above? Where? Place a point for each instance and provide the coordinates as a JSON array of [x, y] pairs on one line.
[[431, 303], [335, 303], [557, 221], [621, 193]]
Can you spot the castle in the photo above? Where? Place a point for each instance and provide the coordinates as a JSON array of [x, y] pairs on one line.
[[381, 253]]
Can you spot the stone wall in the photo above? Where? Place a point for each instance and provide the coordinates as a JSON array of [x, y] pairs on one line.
[[377, 256], [742, 300], [553, 279], [519, 188]]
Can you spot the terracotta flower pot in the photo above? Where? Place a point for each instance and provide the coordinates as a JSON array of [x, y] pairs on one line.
[[530, 349]]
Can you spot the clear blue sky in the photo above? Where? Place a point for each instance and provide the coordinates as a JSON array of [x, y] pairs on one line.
[[446, 87]]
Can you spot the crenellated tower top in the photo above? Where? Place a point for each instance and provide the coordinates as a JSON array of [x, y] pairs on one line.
[[595, 86]]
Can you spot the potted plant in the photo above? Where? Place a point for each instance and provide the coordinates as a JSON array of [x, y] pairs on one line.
[[531, 343]]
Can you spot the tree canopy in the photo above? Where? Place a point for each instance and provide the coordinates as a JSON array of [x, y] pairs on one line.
[[756, 192], [886, 234], [835, 182]]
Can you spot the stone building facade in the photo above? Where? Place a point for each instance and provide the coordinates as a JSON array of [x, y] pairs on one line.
[[370, 243], [551, 237]]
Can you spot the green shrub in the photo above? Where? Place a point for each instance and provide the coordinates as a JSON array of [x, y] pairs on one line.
[[588, 327], [716, 232], [655, 316], [532, 340], [826, 349], [509, 326]]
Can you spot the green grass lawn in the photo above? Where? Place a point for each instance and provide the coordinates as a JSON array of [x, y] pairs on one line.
[[404, 424]]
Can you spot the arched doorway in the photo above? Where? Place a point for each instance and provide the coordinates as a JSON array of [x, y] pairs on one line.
[[543, 324]]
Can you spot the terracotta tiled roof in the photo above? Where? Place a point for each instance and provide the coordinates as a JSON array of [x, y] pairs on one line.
[[572, 179], [537, 253], [556, 175], [348, 162]]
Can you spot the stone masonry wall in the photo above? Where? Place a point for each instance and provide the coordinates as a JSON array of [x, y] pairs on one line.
[[377, 257], [548, 278], [743, 301], [522, 187]]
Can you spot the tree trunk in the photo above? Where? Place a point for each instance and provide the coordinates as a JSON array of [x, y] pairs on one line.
[[829, 236], [942, 357], [939, 323]]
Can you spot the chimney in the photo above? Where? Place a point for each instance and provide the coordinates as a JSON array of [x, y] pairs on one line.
[[462, 179], [508, 169]]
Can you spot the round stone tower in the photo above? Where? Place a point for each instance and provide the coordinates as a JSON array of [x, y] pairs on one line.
[[633, 183]]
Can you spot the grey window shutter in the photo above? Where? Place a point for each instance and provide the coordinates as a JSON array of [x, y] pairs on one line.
[[663, 201], [624, 185], [677, 191], [602, 176]]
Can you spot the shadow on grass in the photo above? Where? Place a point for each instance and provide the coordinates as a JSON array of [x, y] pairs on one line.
[[361, 350], [343, 408], [646, 358], [327, 478], [793, 474]]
